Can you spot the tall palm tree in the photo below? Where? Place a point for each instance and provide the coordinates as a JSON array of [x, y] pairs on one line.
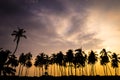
[[114, 62], [81, 58], [70, 57], [18, 34], [104, 60], [92, 59]]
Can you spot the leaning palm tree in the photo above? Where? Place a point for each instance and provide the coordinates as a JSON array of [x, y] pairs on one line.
[[92, 59], [18, 34], [114, 62], [104, 60]]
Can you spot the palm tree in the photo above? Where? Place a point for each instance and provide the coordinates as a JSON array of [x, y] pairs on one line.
[[53, 62], [80, 58], [70, 57], [41, 61], [92, 59], [114, 62], [59, 61], [21, 62], [28, 65], [18, 34], [12, 61], [104, 60], [36, 65], [5, 61]]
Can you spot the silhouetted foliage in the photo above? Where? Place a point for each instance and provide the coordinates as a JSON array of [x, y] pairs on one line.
[[5, 62], [114, 62], [18, 34]]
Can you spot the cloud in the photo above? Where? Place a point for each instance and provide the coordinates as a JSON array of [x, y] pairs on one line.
[[51, 24]]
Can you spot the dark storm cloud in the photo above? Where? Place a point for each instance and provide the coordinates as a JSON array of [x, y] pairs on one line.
[[40, 17]]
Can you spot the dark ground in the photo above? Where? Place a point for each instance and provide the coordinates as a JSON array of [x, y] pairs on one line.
[[61, 78]]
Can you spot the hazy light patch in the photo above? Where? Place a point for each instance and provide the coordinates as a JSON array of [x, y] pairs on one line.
[[106, 27]]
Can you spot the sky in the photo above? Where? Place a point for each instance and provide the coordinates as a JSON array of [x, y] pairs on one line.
[[58, 25]]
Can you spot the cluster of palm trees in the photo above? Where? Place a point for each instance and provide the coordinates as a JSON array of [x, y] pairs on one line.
[[71, 63], [67, 64]]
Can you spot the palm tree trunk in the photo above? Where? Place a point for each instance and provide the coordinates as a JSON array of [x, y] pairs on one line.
[[26, 71], [34, 71], [79, 71], [39, 71], [104, 70], [65, 70], [71, 68], [115, 71], [75, 70], [19, 70], [60, 68], [86, 71], [82, 71], [68, 69], [109, 69], [51, 69], [16, 47], [42, 70], [54, 69], [92, 69]]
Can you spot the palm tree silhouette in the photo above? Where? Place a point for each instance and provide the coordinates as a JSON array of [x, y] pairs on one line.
[[18, 34], [42, 60], [104, 60], [92, 59], [59, 61], [80, 58], [5, 61], [22, 63], [28, 63], [114, 62], [53, 62], [12, 61], [69, 57]]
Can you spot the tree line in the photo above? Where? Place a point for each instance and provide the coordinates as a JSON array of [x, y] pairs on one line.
[[63, 64]]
